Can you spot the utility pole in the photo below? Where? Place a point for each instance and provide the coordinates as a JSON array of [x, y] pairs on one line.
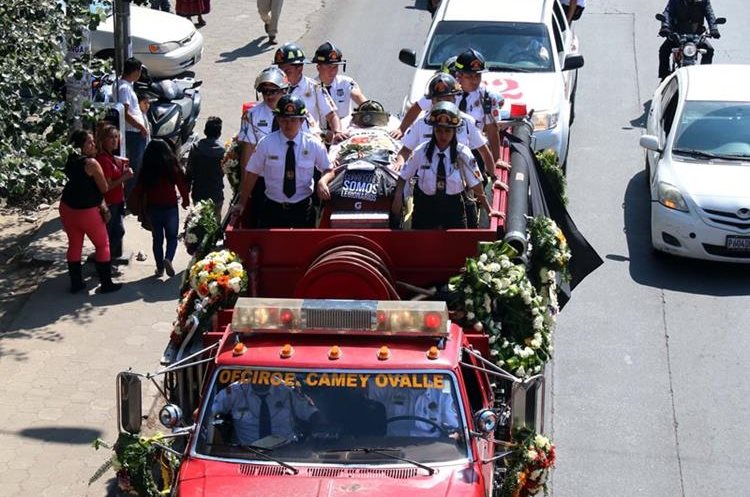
[[123, 47]]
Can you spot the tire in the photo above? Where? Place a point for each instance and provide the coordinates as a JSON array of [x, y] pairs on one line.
[[105, 55], [573, 102]]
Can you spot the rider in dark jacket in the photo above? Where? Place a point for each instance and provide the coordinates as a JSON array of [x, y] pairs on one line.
[[686, 17]]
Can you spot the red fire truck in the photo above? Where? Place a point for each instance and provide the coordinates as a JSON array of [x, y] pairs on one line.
[[341, 371]]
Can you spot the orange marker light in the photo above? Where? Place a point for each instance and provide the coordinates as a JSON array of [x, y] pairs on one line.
[[384, 353], [239, 349], [287, 351], [334, 353], [433, 353]]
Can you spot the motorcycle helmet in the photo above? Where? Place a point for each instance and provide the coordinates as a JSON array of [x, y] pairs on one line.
[[442, 84], [370, 113], [328, 53], [289, 53], [273, 76], [290, 106], [449, 66], [470, 61], [444, 115]]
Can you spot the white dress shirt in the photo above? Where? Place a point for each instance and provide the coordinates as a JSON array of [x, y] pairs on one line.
[[467, 134], [269, 161], [317, 100], [426, 171], [341, 93]]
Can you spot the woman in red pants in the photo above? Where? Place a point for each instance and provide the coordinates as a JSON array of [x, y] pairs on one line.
[[83, 212]]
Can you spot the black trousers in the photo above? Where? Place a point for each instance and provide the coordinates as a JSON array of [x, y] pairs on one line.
[[666, 50], [276, 215], [438, 211]]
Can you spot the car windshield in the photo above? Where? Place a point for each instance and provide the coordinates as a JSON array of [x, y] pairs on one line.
[[506, 46], [341, 417], [714, 128]]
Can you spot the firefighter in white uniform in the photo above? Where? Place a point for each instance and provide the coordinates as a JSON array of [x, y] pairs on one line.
[[342, 89]]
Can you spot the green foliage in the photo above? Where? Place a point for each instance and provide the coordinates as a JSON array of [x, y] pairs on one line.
[[34, 122], [551, 168]]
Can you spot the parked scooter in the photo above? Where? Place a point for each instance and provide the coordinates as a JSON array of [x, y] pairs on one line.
[[175, 105], [688, 45]]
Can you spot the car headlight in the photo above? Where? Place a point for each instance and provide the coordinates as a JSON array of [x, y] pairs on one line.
[[168, 127], [163, 47], [671, 198], [689, 50], [544, 120]]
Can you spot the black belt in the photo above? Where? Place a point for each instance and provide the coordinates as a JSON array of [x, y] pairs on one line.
[[290, 205]]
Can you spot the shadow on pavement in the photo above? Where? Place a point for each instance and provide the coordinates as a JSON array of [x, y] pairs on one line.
[[254, 47], [669, 272], [642, 120], [62, 434]]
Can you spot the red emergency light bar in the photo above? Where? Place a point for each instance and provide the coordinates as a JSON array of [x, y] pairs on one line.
[[263, 315]]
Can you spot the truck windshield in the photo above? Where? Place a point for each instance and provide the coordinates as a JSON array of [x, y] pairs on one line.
[[332, 417], [506, 46]]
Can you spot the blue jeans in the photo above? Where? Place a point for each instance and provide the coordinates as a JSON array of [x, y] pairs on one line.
[[135, 144], [164, 224], [116, 229]]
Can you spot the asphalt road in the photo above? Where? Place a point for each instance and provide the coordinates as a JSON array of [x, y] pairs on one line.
[[648, 395]]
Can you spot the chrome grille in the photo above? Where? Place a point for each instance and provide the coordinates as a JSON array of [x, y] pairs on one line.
[[726, 218], [352, 319]]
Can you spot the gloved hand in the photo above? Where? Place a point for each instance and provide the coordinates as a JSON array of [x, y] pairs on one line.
[[715, 33], [665, 32]]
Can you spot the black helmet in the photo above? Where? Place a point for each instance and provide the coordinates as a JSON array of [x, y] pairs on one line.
[[442, 84], [328, 53], [274, 76], [370, 113], [290, 106], [449, 66], [289, 53], [470, 61], [444, 115]]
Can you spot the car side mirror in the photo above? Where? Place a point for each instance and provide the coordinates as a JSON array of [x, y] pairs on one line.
[[408, 57], [660, 17], [129, 410], [721, 20], [573, 61], [485, 421], [650, 142]]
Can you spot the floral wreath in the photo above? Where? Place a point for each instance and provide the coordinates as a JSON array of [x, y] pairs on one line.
[[496, 295], [134, 460], [230, 164], [215, 283], [528, 465], [200, 224]]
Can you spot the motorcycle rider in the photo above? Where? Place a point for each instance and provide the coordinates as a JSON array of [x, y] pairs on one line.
[[686, 17], [342, 89], [291, 59]]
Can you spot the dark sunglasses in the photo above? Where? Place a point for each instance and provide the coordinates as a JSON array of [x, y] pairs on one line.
[[270, 91]]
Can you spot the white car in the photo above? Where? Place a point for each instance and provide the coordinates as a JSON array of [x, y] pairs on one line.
[[530, 50], [697, 145], [166, 44]]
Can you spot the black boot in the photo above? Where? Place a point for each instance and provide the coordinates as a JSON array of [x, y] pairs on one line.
[[76, 279], [104, 270]]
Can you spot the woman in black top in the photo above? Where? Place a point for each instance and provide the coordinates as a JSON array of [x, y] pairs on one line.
[[83, 212]]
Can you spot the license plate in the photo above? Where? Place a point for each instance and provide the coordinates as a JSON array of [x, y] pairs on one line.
[[738, 243]]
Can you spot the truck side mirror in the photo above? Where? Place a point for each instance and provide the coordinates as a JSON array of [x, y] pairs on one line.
[[485, 421], [408, 57], [660, 17], [129, 411], [572, 61]]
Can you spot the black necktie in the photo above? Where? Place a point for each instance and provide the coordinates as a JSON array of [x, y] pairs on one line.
[[275, 125], [440, 185], [462, 103], [328, 89], [292, 88], [264, 418], [290, 184]]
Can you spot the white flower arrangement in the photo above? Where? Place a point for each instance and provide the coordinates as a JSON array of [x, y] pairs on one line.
[[200, 224]]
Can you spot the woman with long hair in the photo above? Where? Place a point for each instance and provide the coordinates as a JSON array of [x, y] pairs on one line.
[[116, 172], [160, 174], [83, 212]]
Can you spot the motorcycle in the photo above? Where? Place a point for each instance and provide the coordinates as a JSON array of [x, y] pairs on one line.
[[175, 105], [688, 45]]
